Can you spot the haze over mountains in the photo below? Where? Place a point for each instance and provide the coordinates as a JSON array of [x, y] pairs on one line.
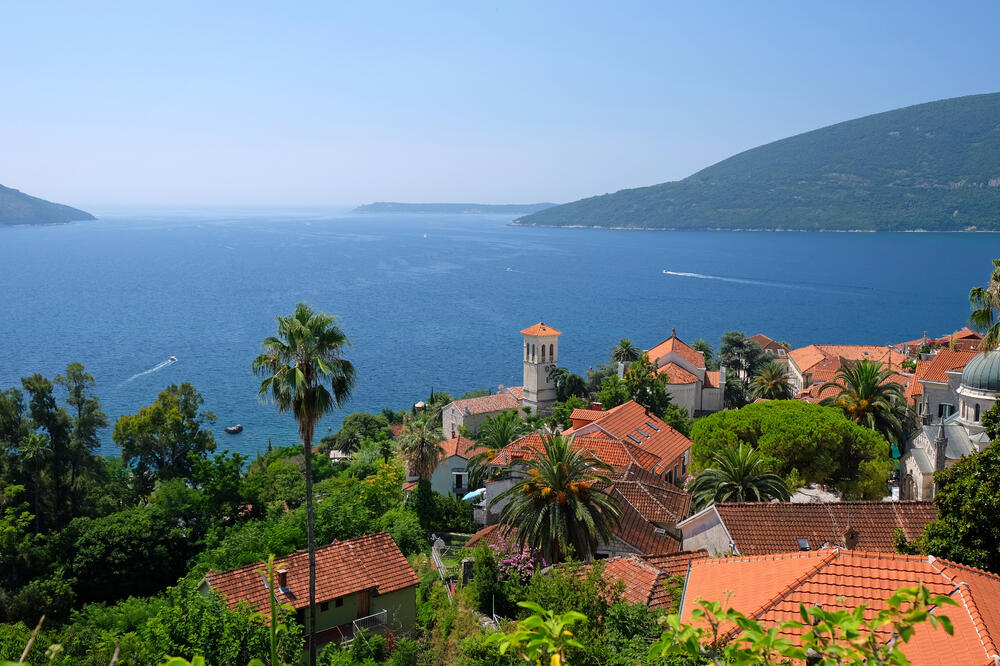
[[933, 166], [16, 207]]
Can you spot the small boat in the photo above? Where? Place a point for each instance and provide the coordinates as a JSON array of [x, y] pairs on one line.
[[234, 430], [666, 272], [172, 359], [509, 269]]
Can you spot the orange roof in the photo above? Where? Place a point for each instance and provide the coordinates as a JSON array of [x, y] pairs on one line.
[[629, 422], [647, 578], [815, 392], [765, 342], [759, 528], [916, 389], [712, 378], [540, 330], [825, 360], [493, 535], [771, 588], [606, 449], [586, 414], [509, 398], [944, 361], [459, 446], [677, 346], [371, 562], [676, 374]]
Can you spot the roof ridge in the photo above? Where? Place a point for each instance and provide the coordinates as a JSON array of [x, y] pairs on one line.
[[982, 631], [823, 561]]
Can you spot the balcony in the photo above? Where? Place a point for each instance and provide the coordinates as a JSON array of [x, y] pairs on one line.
[[370, 622]]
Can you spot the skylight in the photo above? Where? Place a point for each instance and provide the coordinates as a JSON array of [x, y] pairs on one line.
[[643, 433], [650, 424], [634, 439]]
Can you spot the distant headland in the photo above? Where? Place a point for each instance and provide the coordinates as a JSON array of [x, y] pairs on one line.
[[451, 208], [16, 207], [930, 167]]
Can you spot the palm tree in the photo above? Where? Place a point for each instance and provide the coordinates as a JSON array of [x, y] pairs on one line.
[[985, 302], [868, 398], [625, 352], [554, 504], [495, 433], [420, 443], [298, 365], [771, 383], [738, 475]]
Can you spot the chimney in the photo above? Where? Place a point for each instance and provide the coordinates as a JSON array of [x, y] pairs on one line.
[[673, 332], [283, 579], [597, 407], [851, 538], [500, 389]]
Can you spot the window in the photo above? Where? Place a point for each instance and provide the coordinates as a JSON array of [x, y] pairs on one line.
[[650, 424], [532, 352], [338, 602], [634, 439], [976, 417], [325, 606], [543, 353], [675, 474], [552, 353], [945, 410], [527, 351], [670, 477], [460, 480]]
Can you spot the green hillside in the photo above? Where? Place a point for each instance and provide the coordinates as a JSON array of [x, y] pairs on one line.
[[16, 207], [933, 166]]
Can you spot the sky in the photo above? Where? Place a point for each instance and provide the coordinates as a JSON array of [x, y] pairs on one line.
[[317, 103]]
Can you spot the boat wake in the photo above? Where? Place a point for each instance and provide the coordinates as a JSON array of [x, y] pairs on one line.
[[771, 283], [156, 368]]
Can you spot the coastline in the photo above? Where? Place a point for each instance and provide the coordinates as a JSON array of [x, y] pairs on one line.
[[515, 223]]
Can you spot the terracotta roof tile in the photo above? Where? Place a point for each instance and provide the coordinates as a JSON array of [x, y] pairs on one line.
[[540, 329], [586, 414], [713, 378], [509, 398], [676, 374], [371, 562], [765, 342], [823, 361], [614, 452], [459, 446], [759, 528], [677, 346], [916, 389], [493, 535], [944, 361], [630, 422], [772, 587]]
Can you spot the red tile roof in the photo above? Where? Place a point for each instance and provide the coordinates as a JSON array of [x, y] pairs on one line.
[[586, 414], [677, 346], [759, 528], [944, 361], [606, 449], [647, 578], [712, 378], [371, 562], [493, 535], [629, 422], [676, 374], [459, 446], [771, 588], [765, 342], [823, 361], [508, 398], [916, 389], [540, 330], [815, 392]]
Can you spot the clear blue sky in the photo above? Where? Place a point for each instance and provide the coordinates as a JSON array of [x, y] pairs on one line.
[[344, 103]]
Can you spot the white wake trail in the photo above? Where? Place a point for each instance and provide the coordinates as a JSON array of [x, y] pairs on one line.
[[837, 289], [156, 368]]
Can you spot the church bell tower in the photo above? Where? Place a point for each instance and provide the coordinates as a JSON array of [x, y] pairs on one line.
[[541, 353]]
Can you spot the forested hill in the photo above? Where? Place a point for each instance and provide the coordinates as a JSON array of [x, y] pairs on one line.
[[393, 207], [933, 166], [16, 207]]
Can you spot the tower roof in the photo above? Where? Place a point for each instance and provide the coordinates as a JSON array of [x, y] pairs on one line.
[[540, 330]]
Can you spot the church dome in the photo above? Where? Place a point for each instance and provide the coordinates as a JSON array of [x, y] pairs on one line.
[[983, 372]]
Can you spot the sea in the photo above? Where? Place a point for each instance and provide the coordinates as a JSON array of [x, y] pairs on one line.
[[433, 302]]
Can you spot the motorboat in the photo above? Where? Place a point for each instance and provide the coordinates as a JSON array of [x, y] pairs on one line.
[[172, 359], [234, 429]]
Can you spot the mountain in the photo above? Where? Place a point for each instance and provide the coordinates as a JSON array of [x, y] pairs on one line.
[[16, 207], [450, 208], [933, 166]]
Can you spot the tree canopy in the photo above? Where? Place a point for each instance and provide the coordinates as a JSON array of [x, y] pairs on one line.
[[805, 443]]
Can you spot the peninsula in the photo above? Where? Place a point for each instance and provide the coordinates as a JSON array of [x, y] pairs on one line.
[[390, 207], [930, 167], [16, 207]]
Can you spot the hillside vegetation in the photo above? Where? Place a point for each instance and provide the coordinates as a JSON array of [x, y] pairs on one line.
[[16, 207], [933, 166]]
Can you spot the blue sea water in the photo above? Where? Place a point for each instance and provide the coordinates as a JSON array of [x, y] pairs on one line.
[[427, 300]]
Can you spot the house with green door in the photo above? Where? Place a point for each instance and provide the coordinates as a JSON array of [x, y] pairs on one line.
[[362, 583]]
